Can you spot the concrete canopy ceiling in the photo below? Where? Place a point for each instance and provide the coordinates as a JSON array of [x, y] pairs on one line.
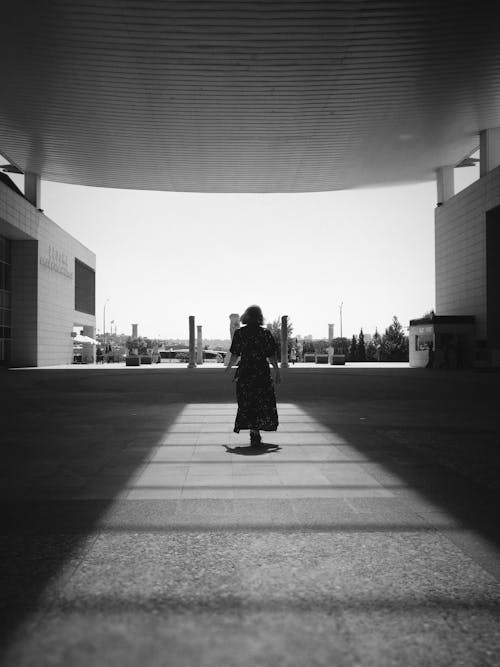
[[242, 96]]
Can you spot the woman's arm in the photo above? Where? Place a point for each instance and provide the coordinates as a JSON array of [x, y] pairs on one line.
[[232, 362], [274, 363]]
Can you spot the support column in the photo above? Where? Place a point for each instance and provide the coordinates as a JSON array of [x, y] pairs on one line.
[[445, 181], [284, 341], [32, 188], [234, 323], [330, 348], [192, 362], [489, 150], [199, 345]]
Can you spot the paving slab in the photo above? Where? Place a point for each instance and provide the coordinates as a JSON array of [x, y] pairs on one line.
[[156, 535]]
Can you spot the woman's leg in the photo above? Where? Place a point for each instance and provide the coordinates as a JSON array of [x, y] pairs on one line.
[[255, 438]]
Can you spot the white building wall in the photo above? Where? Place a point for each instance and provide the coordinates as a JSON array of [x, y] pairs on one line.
[[56, 292], [460, 227], [53, 284]]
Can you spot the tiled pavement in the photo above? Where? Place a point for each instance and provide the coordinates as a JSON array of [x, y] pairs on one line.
[[199, 456], [139, 529]]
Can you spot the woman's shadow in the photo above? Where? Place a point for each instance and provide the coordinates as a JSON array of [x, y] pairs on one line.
[[253, 450]]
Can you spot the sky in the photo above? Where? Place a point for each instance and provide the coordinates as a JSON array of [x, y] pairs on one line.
[[162, 256]]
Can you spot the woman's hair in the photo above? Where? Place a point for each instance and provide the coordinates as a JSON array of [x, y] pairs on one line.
[[252, 315]]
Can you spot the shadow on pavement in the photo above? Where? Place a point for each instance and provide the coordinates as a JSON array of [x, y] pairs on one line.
[[253, 450], [58, 431], [417, 432], [433, 439]]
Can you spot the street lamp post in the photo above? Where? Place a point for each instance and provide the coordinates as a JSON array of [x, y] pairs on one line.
[[341, 337], [104, 324]]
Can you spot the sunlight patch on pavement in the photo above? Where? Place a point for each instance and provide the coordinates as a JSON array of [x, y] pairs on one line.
[[199, 456]]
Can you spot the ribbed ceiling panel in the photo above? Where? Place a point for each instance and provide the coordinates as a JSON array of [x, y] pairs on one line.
[[246, 96]]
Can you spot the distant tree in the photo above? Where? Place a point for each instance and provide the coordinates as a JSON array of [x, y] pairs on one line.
[[140, 344], [353, 349], [320, 346], [371, 351], [394, 342], [341, 345], [377, 341], [373, 347], [275, 328], [361, 349], [308, 347]]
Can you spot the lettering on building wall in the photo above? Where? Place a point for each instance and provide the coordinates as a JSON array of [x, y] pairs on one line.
[[56, 261]]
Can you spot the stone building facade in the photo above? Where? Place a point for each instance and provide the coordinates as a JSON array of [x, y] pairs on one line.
[[47, 285], [467, 230]]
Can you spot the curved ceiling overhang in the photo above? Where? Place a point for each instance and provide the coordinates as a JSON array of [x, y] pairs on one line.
[[237, 96]]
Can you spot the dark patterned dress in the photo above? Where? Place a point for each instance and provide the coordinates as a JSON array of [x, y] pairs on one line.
[[254, 387]]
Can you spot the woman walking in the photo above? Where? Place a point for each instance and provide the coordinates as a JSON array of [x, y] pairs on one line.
[[254, 387]]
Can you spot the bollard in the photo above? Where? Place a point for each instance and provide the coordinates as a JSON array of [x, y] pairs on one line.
[[192, 362], [199, 345]]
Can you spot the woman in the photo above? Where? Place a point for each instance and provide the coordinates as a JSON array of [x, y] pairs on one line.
[[254, 387]]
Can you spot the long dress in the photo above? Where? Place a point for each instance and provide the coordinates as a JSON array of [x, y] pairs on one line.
[[254, 387]]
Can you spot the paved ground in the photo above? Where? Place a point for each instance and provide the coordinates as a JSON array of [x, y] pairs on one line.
[[139, 530]]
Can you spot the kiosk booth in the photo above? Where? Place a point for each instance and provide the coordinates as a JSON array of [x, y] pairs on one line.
[[442, 341]]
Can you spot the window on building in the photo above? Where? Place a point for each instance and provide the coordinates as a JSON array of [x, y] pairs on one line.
[[84, 288], [424, 342]]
